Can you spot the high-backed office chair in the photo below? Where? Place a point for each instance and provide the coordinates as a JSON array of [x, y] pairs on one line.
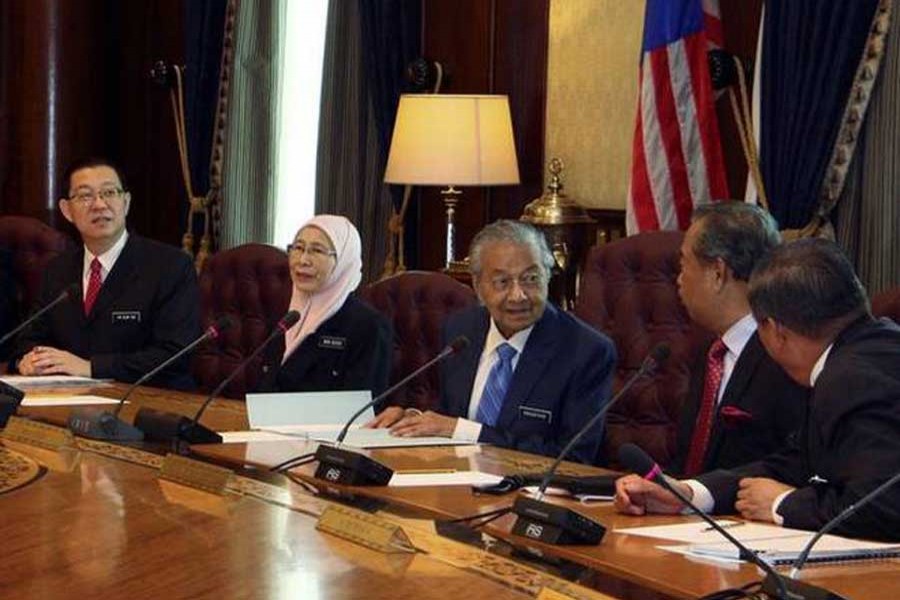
[[31, 244], [629, 291], [253, 285], [416, 302], [887, 304]]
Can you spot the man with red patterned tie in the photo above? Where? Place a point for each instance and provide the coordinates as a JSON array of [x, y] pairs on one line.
[[815, 321], [741, 405], [139, 300]]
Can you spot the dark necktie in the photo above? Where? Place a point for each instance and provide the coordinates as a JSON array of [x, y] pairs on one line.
[[715, 367], [93, 289]]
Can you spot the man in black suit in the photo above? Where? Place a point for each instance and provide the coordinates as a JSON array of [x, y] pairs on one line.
[[138, 300], [532, 375], [815, 322], [741, 406]]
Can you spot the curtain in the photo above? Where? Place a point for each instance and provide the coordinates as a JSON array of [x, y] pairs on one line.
[[811, 50], [204, 29], [868, 223], [248, 174], [367, 46]]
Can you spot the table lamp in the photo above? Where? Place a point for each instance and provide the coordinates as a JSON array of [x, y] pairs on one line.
[[452, 140]]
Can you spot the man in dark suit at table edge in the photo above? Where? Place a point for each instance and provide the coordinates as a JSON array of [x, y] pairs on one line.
[[815, 321], [741, 405], [533, 374], [138, 302]]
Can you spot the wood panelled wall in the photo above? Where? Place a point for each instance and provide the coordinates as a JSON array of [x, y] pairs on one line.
[[488, 47], [75, 82], [500, 47]]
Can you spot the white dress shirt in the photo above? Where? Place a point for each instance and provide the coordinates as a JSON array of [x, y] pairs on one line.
[[107, 261], [469, 429]]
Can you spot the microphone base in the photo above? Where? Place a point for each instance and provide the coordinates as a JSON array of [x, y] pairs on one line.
[[160, 426], [552, 524], [797, 590], [344, 467], [102, 425]]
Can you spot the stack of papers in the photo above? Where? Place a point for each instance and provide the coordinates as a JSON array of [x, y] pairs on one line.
[[776, 545], [319, 416], [24, 382]]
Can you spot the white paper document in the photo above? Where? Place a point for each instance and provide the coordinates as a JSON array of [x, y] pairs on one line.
[[774, 544], [268, 411], [23, 382], [436, 478], [320, 416], [698, 532], [87, 399], [787, 549], [357, 437]]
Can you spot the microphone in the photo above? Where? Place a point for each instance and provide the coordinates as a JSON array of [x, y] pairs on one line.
[[103, 425], [10, 399], [69, 292], [190, 430], [554, 524], [350, 468], [636, 460], [840, 518]]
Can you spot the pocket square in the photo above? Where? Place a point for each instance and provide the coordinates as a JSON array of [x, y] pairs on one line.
[[732, 416]]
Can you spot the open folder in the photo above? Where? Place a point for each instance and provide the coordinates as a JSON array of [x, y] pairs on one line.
[[320, 416]]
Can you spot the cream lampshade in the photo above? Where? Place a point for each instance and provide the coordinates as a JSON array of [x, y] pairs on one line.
[[450, 140]]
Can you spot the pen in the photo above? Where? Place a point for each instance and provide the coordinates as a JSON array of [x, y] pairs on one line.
[[423, 471], [725, 526]]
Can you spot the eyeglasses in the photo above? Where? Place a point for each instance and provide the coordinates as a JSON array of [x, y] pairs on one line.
[[314, 250], [530, 281], [85, 197]]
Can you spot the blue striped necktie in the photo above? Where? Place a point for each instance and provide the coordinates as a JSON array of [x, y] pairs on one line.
[[495, 388]]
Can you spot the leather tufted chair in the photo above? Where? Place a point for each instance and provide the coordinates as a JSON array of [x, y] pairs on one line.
[[416, 302], [629, 291], [31, 244], [887, 304], [252, 284]]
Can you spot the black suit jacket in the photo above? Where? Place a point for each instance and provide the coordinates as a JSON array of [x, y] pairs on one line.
[[147, 310], [562, 379], [352, 350], [850, 443], [774, 405]]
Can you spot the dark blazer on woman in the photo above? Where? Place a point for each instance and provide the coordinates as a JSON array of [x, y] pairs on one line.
[[352, 350]]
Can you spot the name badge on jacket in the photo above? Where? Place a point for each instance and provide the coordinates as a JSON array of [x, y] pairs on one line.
[[126, 316], [331, 342], [541, 414]]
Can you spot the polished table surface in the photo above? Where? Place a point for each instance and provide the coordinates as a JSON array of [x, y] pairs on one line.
[[624, 566]]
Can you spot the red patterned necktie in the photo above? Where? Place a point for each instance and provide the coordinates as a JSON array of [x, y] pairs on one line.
[[93, 289], [715, 366]]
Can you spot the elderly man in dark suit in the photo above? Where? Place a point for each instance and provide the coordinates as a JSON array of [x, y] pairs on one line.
[[741, 405], [533, 375], [814, 320], [138, 302]]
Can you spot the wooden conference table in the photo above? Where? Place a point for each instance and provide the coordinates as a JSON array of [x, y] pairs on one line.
[[101, 522]]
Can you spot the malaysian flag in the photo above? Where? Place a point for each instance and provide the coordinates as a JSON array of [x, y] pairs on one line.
[[676, 156]]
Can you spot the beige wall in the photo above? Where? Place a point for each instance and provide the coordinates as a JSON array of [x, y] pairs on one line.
[[592, 74]]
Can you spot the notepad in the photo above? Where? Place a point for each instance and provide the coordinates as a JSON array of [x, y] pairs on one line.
[[785, 550]]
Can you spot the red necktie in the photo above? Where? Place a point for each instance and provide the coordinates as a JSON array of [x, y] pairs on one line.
[[94, 283], [715, 366]]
